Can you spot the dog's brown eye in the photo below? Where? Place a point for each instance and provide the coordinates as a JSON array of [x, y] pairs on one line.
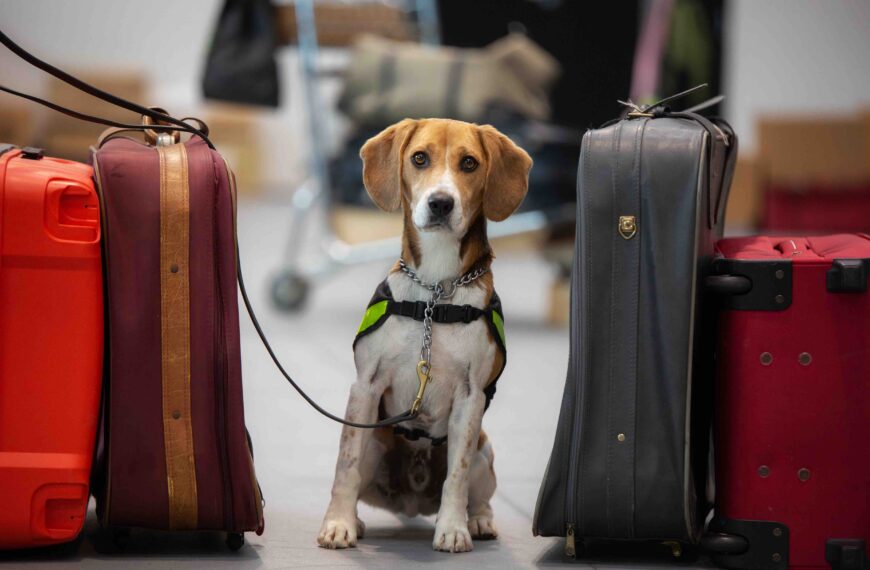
[[420, 159], [468, 164]]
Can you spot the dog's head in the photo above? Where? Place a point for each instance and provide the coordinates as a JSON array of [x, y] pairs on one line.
[[445, 174]]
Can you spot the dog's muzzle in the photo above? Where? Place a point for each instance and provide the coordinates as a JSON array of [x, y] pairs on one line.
[[440, 207]]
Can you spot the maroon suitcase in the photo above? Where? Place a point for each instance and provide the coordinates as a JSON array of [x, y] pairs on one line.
[[792, 438], [175, 453]]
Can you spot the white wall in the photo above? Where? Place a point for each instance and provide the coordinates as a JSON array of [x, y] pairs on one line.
[[789, 56]]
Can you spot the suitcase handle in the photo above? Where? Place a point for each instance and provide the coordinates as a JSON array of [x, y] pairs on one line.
[[728, 284], [723, 543]]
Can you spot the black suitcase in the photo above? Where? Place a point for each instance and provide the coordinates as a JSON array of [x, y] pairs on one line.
[[632, 444]]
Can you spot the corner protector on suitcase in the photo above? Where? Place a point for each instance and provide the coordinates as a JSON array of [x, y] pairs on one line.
[[752, 285], [846, 554], [848, 276], [747, 544]]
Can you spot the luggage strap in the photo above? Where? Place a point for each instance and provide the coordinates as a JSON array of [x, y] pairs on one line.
[[163, 122], [719, 179]]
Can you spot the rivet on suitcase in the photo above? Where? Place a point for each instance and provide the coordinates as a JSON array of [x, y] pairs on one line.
[[630, 455], [793, 403], [51, 345]]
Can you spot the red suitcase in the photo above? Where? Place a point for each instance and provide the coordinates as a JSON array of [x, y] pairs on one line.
[[51, 345], [792, 437]]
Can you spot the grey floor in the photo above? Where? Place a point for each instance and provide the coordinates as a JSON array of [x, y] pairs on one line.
[[296, 448]]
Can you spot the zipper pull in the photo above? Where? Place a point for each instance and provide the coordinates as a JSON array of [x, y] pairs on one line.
[[569, 541]]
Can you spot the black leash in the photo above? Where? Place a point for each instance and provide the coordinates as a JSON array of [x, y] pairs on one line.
[[102, 121], [94, 92], [405, 416], [174, 125]]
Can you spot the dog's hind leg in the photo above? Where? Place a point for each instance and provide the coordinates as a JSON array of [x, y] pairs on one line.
[[481, 488], [341, 526]]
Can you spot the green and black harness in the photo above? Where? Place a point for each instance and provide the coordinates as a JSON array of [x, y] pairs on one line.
[[383, 306]]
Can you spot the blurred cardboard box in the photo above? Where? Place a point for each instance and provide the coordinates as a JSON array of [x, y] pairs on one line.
[[71, 138], [234, 130], [815, 173], [829, 151], [16, 122], [338, 25], [744, 198], [559, 307]]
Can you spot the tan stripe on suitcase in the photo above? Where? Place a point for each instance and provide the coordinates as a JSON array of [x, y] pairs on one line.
[[175, 336]]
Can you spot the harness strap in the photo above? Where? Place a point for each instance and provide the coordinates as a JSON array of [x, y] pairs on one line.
[[441, 313], [417, 433], [382, 306]]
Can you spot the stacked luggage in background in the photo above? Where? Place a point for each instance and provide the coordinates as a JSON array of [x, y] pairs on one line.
[[792, 434], [631, 451], [51, 345], [815, 174], [506, 83]]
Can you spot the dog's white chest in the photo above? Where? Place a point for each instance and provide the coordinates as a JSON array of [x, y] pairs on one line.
[[457, 350]]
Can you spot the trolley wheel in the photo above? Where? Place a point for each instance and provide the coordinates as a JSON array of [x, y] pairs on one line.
[[289, 291], [235, 540], [722, 543]]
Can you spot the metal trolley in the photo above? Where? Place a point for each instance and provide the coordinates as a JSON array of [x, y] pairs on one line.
[[310, 26]]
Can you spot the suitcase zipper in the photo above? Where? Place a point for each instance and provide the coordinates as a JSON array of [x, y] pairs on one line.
[[569, 541], [259, 501], [104, 220], [222, 372], [571, 517]]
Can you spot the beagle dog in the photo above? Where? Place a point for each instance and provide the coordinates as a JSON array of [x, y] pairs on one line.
[[448, 177]]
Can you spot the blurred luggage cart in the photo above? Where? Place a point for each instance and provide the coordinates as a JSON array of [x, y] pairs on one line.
[[313, 25]]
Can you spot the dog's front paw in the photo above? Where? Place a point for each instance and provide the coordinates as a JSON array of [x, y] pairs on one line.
[[452, 536], [482, 527], [339, 533]]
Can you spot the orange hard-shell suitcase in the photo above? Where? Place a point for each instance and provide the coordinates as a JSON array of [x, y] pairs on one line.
[[51, 345]]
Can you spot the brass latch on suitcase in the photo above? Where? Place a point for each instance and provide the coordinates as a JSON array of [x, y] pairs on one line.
[[627, 226]]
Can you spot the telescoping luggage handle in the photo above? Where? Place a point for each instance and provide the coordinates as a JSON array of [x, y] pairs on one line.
[[158, 121]]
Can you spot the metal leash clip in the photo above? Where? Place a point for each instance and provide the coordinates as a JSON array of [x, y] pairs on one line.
[[423, 370]]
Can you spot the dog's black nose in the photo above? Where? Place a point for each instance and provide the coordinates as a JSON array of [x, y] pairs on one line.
[[440, 204]]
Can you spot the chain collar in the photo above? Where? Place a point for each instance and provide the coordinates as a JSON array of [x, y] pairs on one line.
[[424, 367]]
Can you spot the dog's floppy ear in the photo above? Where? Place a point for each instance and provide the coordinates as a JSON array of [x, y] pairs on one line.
[[382, 164], [507, 174]]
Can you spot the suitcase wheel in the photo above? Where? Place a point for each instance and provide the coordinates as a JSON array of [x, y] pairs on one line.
[[120, 537], [722, 543], [235, 540]]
